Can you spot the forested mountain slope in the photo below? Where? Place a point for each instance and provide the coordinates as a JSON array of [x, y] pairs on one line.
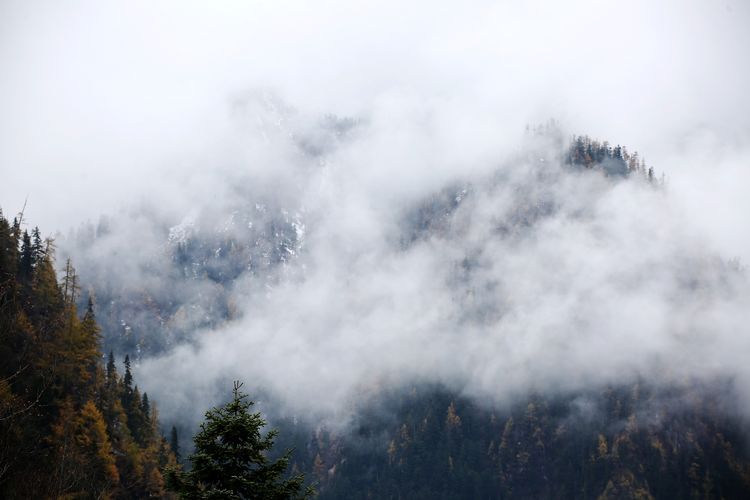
[[528, 253], [621, 442], [70, 427]]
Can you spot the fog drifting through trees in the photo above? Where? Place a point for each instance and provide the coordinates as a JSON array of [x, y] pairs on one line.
[[606, 281]]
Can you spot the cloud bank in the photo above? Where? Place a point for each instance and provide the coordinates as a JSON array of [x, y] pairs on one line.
[[534, 277], [160, 114]]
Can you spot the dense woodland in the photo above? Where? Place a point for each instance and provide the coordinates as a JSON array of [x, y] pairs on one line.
[[633, 441], [71, 425], [614, 161]]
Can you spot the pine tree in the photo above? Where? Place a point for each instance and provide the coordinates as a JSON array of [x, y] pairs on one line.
[[37, 246], [8, 257], [47, 305], [174, 443], [146, 407], [90, 338], [26, 260], [111, 370], [137, 422], [70, 283], [231, 459], [150, 415], [127, 385]]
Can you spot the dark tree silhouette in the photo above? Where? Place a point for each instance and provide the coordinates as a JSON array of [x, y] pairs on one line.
[[231, 459]]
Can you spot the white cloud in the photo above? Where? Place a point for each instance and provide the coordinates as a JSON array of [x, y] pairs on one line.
[[104, 105]]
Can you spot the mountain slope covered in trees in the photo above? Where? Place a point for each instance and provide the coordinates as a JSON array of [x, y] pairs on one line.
[[69, 426], [632, 441], [661, 436]]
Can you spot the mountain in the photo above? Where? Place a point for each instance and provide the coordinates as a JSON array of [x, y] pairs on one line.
[[519, 429]]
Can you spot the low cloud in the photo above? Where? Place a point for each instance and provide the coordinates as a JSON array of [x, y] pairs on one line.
[[423, 237]]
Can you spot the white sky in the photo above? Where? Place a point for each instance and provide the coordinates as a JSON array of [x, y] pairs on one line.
[[101, 100]]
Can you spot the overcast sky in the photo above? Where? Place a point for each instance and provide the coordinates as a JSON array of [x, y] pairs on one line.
[[102, 100]]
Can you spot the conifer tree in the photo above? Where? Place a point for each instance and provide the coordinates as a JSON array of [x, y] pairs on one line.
[[90, 338], [146, 407], [174, 443], [127, 385], [8, 257], [70, 283], [136, 420], [111, 370], [37, 246], [230, 459], [63, 428], [83, 453], [26, 260]]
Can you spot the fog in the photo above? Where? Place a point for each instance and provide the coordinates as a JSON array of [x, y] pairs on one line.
[[157, 114]]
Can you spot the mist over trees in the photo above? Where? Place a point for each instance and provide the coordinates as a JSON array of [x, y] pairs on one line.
[[621, 442], [490, 249], [70, 409], [69, 426], [389, 435]]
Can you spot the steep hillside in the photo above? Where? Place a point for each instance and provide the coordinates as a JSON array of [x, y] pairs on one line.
[[69, 426]]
